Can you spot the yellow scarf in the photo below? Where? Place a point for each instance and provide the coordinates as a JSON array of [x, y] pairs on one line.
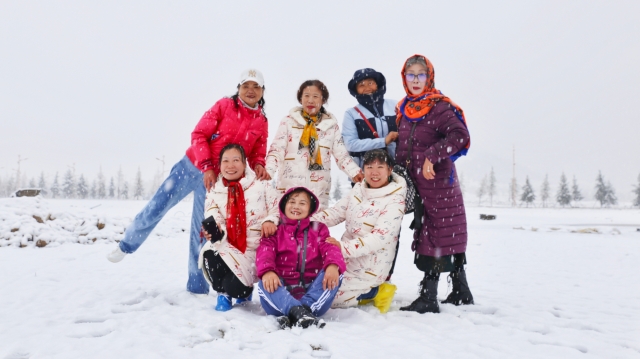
[[309, 139]]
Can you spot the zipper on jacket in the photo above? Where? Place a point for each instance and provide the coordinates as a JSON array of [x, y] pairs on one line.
[[379, 118], [295, 236]]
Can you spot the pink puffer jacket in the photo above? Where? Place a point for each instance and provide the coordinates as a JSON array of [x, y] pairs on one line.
[[283, 252]]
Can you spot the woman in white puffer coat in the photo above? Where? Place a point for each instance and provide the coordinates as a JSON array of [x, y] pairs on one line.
[[373, 212], [245, 209], [306, 139]]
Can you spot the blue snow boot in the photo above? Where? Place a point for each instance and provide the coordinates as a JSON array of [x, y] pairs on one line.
[[243, 300], [224, 302]]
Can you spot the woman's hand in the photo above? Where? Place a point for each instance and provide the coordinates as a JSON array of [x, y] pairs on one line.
[[359, 177], [391, 137], [261, 173], [333, 241], [268, 229], [206, 234], [331, 277], [209, 179], [270, 281], [427, 170]]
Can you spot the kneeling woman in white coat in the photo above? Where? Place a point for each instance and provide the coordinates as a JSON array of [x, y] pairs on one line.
[[373, 212], [245, 209], [306, 139]]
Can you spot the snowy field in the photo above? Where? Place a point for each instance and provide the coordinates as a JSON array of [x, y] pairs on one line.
[[543, 285]]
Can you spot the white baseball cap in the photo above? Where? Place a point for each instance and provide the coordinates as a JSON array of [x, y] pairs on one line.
[[252, 75]]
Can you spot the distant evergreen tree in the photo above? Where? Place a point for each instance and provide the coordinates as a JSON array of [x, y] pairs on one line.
[[576, 194], [611, 197], [491, 186], [124, 193], [119, 183], [563, 196], [32, 183], [69, 185], [337, 191], [482, 190], [93, 192], [513, 190], [112, 189], [83, 189], [528, 196], [605, 193], [601, 189], [138, 187], [55, 187], [101, 189], [544, 191], [636, 192], [42, 184]]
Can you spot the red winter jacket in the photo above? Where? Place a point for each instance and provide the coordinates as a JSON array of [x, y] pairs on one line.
[[224, 124]]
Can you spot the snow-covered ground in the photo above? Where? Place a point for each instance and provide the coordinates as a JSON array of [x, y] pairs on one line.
[[543, 288]]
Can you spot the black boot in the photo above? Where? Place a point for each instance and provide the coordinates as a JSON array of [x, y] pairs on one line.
[[427, 302], [460, 294], [301, 316], [283, 322]]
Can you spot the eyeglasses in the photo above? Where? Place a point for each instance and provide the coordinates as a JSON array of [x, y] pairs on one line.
[[421, 77]]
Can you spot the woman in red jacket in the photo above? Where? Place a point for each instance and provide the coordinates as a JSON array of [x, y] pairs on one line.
[[239, 119]]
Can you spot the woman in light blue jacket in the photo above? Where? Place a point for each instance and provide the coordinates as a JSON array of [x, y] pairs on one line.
[[372, 123]]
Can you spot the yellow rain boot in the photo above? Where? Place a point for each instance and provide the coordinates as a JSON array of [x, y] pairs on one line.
[[383, 299]]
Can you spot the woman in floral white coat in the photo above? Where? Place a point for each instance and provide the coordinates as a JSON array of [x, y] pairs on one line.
[[306, 139], [373, 212], [245, 209]]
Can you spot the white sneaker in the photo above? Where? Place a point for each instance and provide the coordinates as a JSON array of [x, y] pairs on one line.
[[116, 256]]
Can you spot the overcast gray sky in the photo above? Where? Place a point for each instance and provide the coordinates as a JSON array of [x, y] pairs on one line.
[[121, 83]]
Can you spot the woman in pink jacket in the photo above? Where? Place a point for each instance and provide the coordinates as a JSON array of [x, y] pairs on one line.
[[239, 119], [300, 270]]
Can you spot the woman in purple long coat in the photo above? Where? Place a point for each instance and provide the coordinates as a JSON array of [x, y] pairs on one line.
[[432, 134]]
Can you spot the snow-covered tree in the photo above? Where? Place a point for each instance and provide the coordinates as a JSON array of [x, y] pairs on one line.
[[124, 192], [42, 183], [32, 183], [563, 196], [601, 189], [461, 181], [55, 187], [69, 185], [513, 191], [83, 189], [528, 196], [101, 186], [611, 197], [636, 192], [93, 192], [544, 191], [482, 190], [605, 193], [576, 194], [119, 183], [138, 187], [9, 186], [112, 189], [491, 187], [337, 191]]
